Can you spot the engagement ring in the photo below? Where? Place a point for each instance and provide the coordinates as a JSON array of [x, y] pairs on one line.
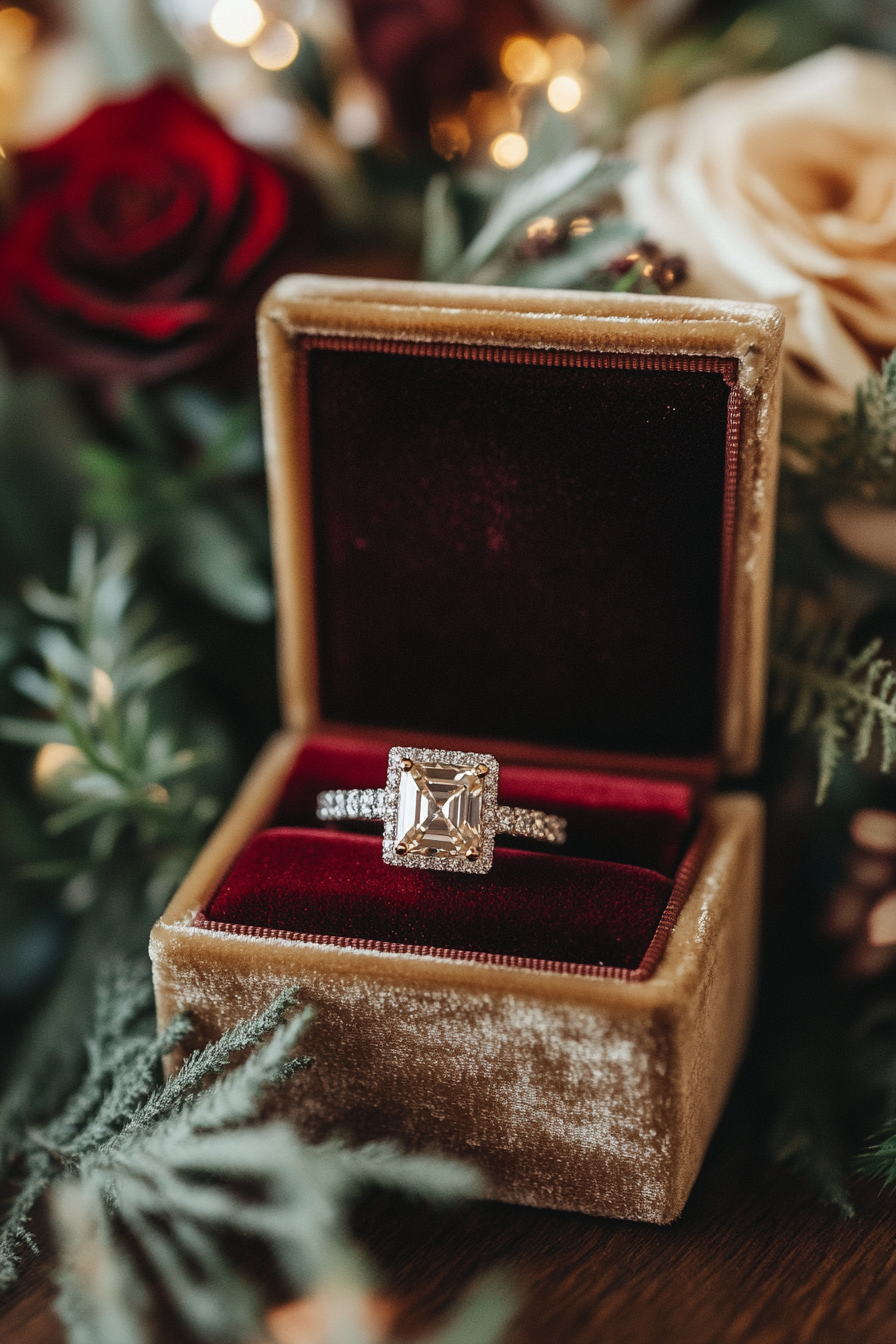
[[440, 810]]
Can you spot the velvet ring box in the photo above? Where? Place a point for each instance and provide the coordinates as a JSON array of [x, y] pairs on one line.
[[537, 524]]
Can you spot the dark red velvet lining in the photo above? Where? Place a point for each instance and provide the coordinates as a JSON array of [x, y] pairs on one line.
[[521, 544], [581, 910], [530, 905], [532, 548]]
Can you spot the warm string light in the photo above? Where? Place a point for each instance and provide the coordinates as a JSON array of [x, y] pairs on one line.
[[51, 760], [525, 61], [493, 117], [237, 22], [566, 52], [357, 122], [564, 93], [276, 47], [509, 150], [18, 30]]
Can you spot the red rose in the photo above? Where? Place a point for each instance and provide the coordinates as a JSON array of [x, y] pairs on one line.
[[430, 52], [143, 240]]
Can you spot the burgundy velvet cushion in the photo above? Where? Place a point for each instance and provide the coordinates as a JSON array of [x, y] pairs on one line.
[[531, 905], [521, 550], [583, 906], [619, 818]]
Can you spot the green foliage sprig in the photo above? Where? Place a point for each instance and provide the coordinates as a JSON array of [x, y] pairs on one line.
[[122, 1054], [102, 667], [178, 487], [879, 1161], [166, 1176], [577, 182], [128, 810], [857, 459], [846, 700]]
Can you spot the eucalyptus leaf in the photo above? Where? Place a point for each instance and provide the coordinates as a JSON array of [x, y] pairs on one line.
[[33, 732], [571, 184], [210, 556], [131, 41], [442, 240]]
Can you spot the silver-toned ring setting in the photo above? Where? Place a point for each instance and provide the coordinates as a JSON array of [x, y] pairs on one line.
[[440, 810]]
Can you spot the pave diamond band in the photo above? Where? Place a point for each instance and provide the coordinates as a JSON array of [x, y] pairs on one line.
[[440, 811], [531, 824], [351, 805]]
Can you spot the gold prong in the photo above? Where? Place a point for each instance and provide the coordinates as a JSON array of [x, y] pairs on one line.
[[407, 764], [401, 848], [472, 854], [482, 768]]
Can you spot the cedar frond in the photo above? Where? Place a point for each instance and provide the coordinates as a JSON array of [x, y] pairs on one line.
[[857, 459], [846, 700], [183, 1175]]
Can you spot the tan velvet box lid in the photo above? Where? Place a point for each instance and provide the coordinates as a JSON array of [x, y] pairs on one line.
[[538, 524]]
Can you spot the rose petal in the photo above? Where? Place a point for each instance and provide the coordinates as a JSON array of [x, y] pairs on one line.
[[783, 188], [144, 240]]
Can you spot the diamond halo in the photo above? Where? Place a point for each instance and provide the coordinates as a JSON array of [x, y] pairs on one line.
[[476, 791]]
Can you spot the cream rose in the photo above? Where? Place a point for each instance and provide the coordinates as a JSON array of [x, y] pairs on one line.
[[783, 188]]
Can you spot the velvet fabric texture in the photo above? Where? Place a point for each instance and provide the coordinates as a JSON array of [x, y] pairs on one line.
[[521, 550], [597, 903], [536, 906]]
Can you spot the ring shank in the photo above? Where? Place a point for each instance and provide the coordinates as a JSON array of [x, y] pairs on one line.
[[369, 805], [351, 805]]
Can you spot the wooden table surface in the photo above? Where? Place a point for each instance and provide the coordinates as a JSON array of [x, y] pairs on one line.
[[754, 1258]]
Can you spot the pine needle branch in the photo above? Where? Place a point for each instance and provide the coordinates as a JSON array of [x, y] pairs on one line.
[[879, 1161], [182, 1175], [235, 1098], [118, 1100], [122, 1058]]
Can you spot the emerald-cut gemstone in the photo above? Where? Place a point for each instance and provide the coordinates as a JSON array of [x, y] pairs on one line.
[[440, 810]]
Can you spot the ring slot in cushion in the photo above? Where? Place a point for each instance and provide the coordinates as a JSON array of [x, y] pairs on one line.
[[598, 903]]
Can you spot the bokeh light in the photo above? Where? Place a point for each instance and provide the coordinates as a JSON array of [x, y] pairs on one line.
[[598, 57], [237, 22], [18, 30], [357, 122], [276, 47], [51, 759], [564, 93], [580, 226], [509, 150], [544, 228], [102, 688], [566, 52], [524, 61]]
